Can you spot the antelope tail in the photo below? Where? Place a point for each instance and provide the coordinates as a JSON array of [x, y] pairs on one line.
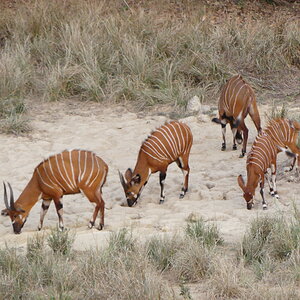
[[216, 120], [287, 152]]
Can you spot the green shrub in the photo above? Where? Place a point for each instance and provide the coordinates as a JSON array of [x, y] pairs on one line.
[[206, 234], [60, 241]]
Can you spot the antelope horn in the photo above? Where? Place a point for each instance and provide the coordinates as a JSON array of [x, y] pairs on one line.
[[5, 196], [12, 202], [122, 179]]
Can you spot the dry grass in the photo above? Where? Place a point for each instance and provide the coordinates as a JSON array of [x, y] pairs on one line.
[[119, 53], [127, 269]]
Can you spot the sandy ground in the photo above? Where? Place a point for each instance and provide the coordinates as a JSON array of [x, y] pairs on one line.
[[116, 135]]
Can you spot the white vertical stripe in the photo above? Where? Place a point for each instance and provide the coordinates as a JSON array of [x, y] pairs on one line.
[[63, 163], [159, 130], [183, 140], [57, 181], [45, 170], [175, 144], [151, 147], [159, 150], [72, 168], [82, 176], [228, 101], [150, 155], [98, 167], [51, 187], [92, 170], [61, 175], [176, 130], [79, 166], [167, 138], [237, 94], [159, 140]]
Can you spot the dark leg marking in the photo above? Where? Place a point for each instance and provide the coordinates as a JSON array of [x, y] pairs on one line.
[[162, 177]]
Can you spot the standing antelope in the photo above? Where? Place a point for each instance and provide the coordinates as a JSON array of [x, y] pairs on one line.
[[284, 133], [171, 142], [261, 157], [69, 172], [236, 101]]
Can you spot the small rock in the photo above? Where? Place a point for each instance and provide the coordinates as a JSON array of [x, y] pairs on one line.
[[194, 104], [210, 185]]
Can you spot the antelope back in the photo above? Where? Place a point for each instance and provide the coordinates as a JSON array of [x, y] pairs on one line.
[[263, 152], [167, 143], [282, 131], [70, 171], [236, 97]]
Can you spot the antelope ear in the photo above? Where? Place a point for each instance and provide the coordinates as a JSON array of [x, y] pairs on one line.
[[241, 182], [136, 179], [4, 212], [128, 174]]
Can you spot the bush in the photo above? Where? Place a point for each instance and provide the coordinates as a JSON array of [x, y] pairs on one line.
[[206, 234], [60, 241]]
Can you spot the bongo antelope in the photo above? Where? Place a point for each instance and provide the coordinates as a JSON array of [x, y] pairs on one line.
[[261, 157], [68, 172], [284, 133], [171, 142], [236, 101]]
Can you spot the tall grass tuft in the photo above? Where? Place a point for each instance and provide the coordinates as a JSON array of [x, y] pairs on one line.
[[35, 247], [161, 251], [108, 52], [273, 237], [60, 241], [206, 234]]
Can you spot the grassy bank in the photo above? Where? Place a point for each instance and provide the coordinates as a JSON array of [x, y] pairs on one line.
[[265, 265], [107, 51]]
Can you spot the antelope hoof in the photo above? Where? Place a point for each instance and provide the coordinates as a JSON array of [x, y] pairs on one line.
[[100, 227], [91, 224], [39, 228], [223, 148], [61, 229], [276, 196], [234, 147], [265, 207], [161, 201], [242, 154]]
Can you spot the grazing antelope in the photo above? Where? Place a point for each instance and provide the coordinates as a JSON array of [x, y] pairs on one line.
[[69, 172], [171, 142], [261, 157], [236, 101], [284, 133]]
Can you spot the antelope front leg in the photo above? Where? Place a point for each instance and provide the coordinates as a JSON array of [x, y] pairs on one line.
[[185, 182], [223, 124], [273, 169], [264, 204], [101, 224], [59, 210], [162, 177], [245, 137], [270, 183], [44, 209]]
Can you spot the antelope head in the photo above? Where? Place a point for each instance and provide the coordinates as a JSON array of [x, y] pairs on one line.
[[132, 186], [16, 215], [248, 195]]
